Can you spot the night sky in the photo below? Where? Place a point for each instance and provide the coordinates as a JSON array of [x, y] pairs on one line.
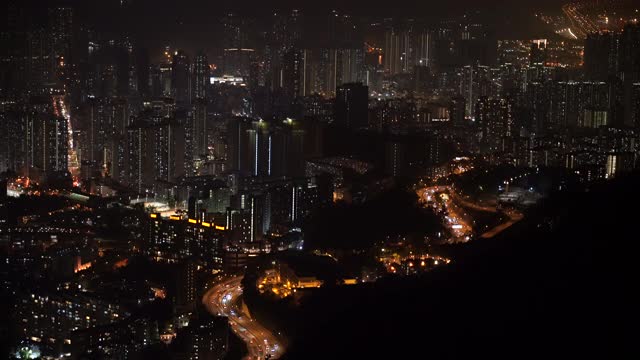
[[194, 24], [158, 13], [191, 24], [361, 7]]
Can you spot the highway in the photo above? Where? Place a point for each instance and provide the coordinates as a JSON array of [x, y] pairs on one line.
[[580, 23], [224, 300], [458, 220]]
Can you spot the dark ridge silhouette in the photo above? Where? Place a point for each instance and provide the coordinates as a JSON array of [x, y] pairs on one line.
[[557, 285]]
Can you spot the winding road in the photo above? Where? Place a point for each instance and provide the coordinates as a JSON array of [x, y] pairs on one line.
[[224, 300]]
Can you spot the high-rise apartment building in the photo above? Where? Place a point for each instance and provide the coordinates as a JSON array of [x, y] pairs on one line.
[[201, 75], [181, 78]]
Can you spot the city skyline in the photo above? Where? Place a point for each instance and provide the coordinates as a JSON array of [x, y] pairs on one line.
[[222, 181]]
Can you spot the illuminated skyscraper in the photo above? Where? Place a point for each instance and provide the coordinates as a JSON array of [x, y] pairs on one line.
[[295, 72], [406, 46], [424, 49], [395, 46], [199, 129], [570, 100], [351, 65], [47, 140], [39, 60], [285, 34], [630, 65], [539, 105], [395, 158], [476, 82], [201, 75], [180, 78], [140, 159], [495, 121]]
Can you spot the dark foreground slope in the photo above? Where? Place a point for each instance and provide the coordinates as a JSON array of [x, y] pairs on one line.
[[557, 285]]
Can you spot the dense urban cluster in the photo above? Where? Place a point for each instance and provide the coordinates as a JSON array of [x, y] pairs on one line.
[[295, 153]]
